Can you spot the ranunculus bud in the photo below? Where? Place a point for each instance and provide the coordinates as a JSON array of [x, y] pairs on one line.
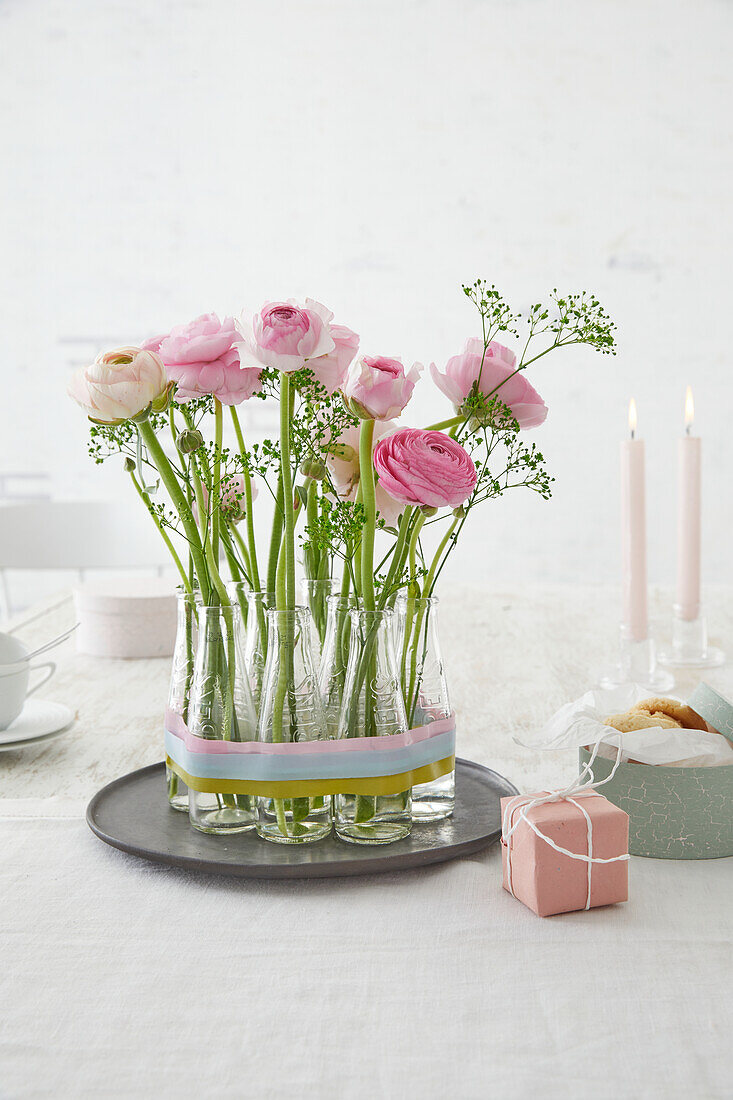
[[130, 465], [123, 384], [313, 468], [189, 440], [378, 388]]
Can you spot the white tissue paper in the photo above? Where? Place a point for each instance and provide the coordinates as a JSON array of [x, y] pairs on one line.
[[580, 723]]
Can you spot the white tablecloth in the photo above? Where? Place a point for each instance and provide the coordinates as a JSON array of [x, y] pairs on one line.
[[123, 979]]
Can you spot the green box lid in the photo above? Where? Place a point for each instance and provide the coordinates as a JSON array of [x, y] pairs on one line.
[[714, 708]]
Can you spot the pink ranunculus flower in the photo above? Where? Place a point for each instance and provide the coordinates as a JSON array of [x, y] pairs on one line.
[[377, 388], [285, 335], [331, 369], [121, 384], [343, 465], [495, 377], [426, 468], [201, 357]]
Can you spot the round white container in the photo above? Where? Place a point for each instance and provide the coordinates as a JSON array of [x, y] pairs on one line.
[[130, 618]]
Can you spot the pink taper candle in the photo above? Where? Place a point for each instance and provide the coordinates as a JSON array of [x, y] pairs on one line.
[[633, 532], [688, 518]]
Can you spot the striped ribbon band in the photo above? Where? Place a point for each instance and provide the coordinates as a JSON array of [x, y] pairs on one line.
[[359, 765]]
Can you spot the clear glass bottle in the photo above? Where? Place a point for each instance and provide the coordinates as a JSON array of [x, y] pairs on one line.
[[291, 710], [221, 709], [238, 592], [335, 660], [255, 645], [181, 681], [315, 596], [372, 707], [425, 690]]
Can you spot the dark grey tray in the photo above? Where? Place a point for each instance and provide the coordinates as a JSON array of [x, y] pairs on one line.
[[132, 814]]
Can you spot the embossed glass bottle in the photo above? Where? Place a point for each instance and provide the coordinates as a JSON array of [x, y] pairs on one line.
[[335, 660], [372, 707], [316, 595], [291, 711], [425, 689], [181, 682], [255, 646], [221, 709]]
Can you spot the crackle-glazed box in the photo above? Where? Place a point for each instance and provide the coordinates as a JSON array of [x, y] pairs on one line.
[[674, 813]]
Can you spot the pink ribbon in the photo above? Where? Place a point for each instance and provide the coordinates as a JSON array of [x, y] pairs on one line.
[[174, 724]]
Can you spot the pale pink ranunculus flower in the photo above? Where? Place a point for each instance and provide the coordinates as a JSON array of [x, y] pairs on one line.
[[377, 388], [427, 468], [120, 384], [285, 335], [331, 369], [496, 377], [343, 466], [202, 358]]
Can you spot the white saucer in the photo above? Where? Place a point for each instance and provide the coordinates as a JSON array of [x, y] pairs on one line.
[[40, 720]]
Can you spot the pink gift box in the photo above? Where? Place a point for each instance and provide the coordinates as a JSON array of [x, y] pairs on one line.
[[548, 881]]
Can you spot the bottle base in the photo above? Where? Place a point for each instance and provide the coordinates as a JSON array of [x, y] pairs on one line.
[[298, 832], [381, 832], [431, 810], [223, 821], [177, 791]]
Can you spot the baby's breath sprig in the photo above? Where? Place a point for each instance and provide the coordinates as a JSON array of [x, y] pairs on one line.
[[337, 525]]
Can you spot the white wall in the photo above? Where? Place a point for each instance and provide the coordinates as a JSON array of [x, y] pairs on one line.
[[162, 159]]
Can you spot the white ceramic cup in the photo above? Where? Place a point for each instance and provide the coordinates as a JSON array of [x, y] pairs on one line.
[[15, 670]]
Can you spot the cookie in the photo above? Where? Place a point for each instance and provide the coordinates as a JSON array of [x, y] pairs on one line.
[[639, 720], [671, 708]]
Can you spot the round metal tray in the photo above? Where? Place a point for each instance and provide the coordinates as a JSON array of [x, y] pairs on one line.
[[132, 814]]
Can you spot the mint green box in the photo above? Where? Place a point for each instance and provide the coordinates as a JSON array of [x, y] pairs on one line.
[[674, 813]]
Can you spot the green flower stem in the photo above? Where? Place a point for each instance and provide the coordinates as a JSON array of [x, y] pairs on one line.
[[287, 483], [190, 613], [216, 486], [275, 538], [430, 579], [214, 573], [144, 497], [254, 572], [366, 482], [284, 581], [180, 503], [311, 551], [413, 688], [398, 559], [410, 608], [451, 422], [236, 537], [234, 568]]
